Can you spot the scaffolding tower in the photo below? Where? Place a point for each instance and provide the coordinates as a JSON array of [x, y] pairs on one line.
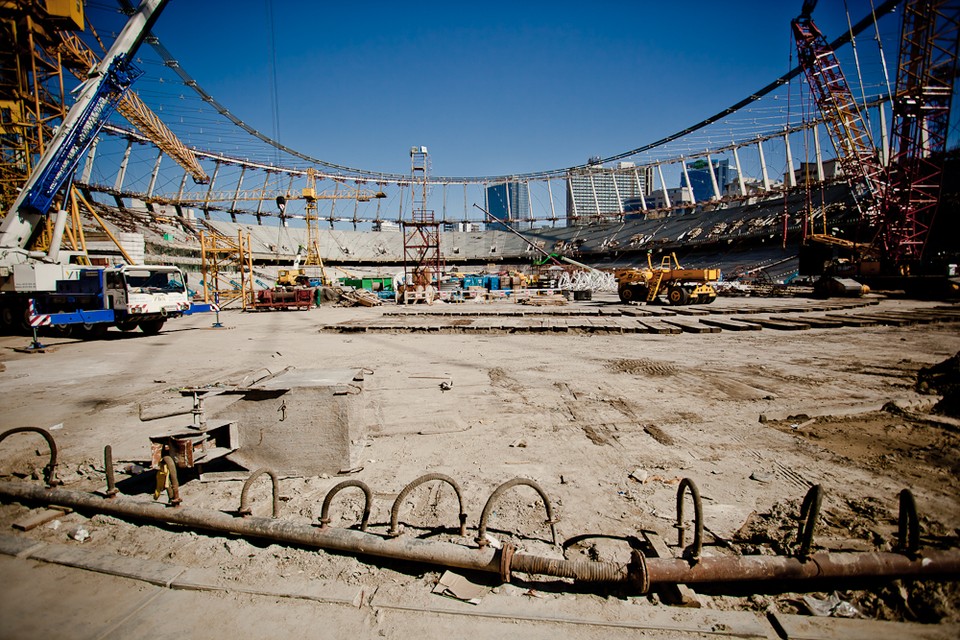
[[422, 259], [227, 268]]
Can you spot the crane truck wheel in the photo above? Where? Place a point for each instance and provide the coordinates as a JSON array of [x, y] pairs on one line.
[[677, 295], [152, 327], [125, 326], [94, 331], [626, 293], [7, 318]]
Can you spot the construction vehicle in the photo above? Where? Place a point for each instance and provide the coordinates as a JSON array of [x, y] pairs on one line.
[[678, 285], [53, 287], [897, 199]]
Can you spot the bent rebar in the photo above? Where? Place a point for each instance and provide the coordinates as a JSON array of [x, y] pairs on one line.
[[809, 512], [487, 508], [693, 551], [395, 510], [368, 498], [108, 469], [49, 471], [908, 525], [245, 509]]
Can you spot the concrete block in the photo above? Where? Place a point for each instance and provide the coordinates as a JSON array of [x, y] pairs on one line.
[[301, 422]]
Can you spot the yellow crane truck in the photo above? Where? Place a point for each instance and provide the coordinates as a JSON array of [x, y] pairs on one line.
[[678, 285]]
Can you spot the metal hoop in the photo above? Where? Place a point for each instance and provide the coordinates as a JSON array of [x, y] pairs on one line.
[[693, 551], [245, 509], [487, 508], [395, 510], [809, 512], [328, 499], [49, 471]]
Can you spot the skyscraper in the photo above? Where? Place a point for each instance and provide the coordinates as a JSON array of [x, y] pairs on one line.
[[510, 202], [699, 172], [598, 193]]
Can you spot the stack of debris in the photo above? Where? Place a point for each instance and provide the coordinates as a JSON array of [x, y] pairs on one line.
[[552, 300], [943, 379], [348, 297]]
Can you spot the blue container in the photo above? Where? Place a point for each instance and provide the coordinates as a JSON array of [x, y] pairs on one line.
[[472, 281]]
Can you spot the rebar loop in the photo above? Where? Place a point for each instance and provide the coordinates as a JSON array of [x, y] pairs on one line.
[[395, 510], [108, 469], [908, 525], [692, 552], [328, 499], [245, 509], [488, 508], [167, 479], [49, 471], [809, 512]]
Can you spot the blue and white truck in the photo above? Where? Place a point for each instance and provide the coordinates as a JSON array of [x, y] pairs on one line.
[[50, 287]]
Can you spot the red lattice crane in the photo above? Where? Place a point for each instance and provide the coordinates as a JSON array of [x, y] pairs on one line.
[[897, 202], [856, 153], [921, 118]]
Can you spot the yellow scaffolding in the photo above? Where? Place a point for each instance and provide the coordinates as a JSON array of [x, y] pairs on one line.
[[227, 268]]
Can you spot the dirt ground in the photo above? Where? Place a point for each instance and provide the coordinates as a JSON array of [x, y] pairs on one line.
[[607, 424]]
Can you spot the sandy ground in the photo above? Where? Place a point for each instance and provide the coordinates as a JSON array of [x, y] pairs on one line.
[[753, 418]]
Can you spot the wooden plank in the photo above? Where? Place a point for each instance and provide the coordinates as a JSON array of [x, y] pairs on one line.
[[660, 312], [36, 518], [851, 321], [692, 326], [730, 325], [691, 311], [795, 627], [635, 312], [658, 326], [815, 322], [779, 325], [881, 318]]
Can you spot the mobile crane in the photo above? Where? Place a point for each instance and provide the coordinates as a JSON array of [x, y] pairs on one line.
[[52, 288]]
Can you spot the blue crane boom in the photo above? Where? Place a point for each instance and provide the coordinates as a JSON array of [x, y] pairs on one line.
[[96, 100]]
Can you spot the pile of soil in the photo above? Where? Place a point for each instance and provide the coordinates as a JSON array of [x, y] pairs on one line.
[[943, 379]]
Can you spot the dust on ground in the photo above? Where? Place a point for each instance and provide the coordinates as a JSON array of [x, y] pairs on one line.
[[609, 424]]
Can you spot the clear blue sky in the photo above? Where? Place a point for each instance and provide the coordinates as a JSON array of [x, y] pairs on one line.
[[491, 88]]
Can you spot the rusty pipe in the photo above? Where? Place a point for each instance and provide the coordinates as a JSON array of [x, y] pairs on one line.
[[651, 571], [817, 566]]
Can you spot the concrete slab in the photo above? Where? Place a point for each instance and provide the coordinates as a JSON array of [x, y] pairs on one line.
[[796, 627], [157, 573], [18, 546], [612, 615]]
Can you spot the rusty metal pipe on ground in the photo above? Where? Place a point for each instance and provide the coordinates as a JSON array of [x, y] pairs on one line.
[[642, 573]]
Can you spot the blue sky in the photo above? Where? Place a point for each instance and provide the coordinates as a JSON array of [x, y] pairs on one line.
[[491, 88]]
